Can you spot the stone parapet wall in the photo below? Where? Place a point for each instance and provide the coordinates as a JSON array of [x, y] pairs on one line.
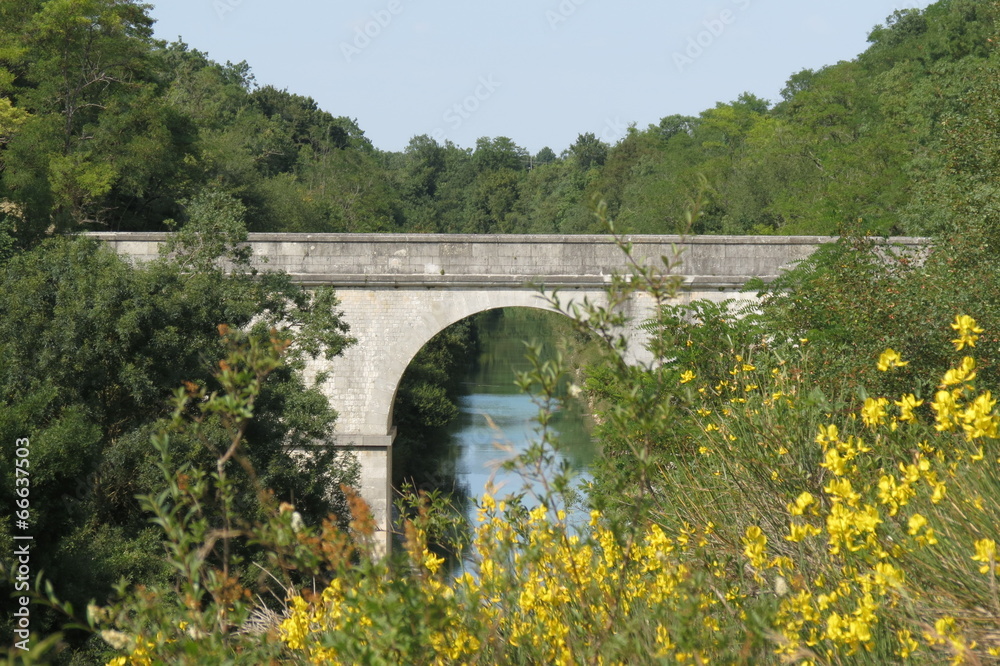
[[442, 260]]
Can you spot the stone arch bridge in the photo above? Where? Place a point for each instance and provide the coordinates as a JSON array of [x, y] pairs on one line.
[[398, 290]]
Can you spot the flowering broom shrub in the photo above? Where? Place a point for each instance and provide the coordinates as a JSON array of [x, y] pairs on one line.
[[539, 595], [876, 534]]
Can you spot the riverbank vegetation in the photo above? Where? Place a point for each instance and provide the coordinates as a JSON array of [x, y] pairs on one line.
[[92, 347]]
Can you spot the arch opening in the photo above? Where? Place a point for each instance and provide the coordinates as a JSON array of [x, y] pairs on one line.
[[458, 396]]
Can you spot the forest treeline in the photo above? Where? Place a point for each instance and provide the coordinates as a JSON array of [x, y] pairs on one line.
[[103, 127]]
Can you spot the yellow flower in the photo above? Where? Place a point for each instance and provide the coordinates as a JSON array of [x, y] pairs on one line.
[[873, 413], [978, 419], [916, 523], [663, 641], [841, 490], [939, 490], [802, 502], [487, 505], [755, 541], [986, 552], [906, 405], [965, 372], [887, 576], [946, 632], [907, 645], [844, 525], [827, 435], [890, 359], [867, 519], [947, 410], [835, 462], [893, 494], [797, 532], [968, 332], [687, 376], [432, 562]]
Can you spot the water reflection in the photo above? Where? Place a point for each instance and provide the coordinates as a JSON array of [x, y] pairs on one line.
[[497, 421], [494, 428]]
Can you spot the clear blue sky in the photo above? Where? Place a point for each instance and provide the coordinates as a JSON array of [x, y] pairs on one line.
[[538, 71]]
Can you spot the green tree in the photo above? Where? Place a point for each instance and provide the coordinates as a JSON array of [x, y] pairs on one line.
[[548, 200], [492, 202], [675, 124], [589, 151], [499, 153], [100, 144], [544, 156]]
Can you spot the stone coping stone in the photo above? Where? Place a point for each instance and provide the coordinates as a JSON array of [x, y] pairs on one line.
[[587, 239]]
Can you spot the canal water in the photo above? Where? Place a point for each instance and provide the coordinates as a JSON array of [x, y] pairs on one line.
[[497, 421]]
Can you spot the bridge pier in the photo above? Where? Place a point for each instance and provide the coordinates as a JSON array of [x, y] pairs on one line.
[[374, 456]]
